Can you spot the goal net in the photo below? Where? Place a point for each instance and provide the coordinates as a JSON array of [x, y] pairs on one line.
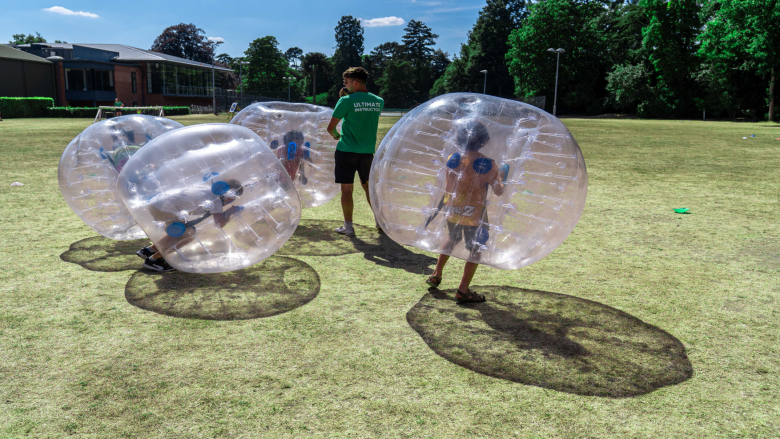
[[107, 112]]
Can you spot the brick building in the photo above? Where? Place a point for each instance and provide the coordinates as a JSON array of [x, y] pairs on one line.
[[89, 75]]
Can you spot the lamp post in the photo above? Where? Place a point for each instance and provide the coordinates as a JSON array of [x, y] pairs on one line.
[[214, 45], [288, 78], [484, 86], [559, 52], [241, 81]]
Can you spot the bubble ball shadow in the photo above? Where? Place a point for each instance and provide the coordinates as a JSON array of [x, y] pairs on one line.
[[274, 286], [551, 340], [106, 255], [318, 238]]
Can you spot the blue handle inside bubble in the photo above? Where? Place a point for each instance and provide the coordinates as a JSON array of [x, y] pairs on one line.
[[454, 161], [292, 148]]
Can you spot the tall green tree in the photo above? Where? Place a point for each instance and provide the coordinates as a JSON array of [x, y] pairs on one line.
[[670, 41], [349, 50], [267, 66], [313, 63], [375, 62], [574, 27], [293, 55], [185, 41], [29, 39], [419, 42], [745, 34], [395, 87]]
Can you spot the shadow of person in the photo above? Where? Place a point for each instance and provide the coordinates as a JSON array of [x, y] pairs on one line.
[[551, 340], [318, 238], [385, 252], [102, 254], [275, 286]]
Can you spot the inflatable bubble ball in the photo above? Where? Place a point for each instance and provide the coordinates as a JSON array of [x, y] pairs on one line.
[[91, 163], [484, 179], [297, 134], [212, 197]]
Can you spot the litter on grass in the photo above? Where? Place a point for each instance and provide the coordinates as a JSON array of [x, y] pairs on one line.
[[682, 210], [16, 183]]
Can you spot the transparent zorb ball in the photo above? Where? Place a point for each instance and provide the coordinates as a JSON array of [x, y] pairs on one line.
[[91, 163], [297, 134], [212, 197], [484, 179]]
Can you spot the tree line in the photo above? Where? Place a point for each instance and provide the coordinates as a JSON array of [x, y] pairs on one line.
[[654, 58]]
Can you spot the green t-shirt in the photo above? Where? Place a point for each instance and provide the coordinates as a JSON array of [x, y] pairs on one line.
[[118, 104], [360, 112]]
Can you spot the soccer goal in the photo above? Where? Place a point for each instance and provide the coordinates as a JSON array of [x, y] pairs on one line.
[[105, 112]]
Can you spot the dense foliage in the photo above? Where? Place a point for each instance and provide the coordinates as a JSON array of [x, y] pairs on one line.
[[24, 107], [185, 41]]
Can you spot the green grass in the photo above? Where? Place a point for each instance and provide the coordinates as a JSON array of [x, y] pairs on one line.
[[644, 323]]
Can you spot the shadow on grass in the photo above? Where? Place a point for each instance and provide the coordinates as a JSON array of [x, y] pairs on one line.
[[102, 254], [318, 238], [274, 286], [551, 340]]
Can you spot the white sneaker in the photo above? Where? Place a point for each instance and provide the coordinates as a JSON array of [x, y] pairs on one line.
[[345, 231]]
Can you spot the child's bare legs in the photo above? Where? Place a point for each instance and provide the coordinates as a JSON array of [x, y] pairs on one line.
[[465, 281], [167, 241]]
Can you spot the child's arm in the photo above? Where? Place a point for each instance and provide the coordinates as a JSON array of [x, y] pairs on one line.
[[499, 177]]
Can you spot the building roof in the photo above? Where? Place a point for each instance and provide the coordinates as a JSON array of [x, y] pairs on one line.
[[7, 52], [127, 53]]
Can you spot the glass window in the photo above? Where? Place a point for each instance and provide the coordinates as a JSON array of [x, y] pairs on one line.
[[107, 78], [133, 83], [75, 79], [90, 81]]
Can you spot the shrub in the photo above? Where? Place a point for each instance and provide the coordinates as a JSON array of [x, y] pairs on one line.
[[92, 111], [24, 107]]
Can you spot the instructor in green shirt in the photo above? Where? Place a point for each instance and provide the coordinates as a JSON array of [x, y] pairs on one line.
[[357, 140]]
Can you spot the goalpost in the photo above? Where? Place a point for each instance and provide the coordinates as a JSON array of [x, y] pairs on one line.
[[151, 111]]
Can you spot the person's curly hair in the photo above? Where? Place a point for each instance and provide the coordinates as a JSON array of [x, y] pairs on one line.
[[358, 73]]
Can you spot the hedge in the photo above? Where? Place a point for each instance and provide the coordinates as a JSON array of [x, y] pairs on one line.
[[24, 107], [92, 111]]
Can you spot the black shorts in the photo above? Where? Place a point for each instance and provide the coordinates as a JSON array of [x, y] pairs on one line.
[[459, 231], [347, 163]]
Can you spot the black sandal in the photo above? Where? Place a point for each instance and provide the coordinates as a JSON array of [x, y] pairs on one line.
[[470, 297], [434, 281]]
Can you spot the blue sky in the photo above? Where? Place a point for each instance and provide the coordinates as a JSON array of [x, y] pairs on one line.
[[305, 24]]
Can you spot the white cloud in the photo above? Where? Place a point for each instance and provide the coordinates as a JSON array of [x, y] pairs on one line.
[[380, 22], [65, 11], [216, 39]]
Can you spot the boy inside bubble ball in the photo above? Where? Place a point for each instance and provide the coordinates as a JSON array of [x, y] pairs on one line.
[[293, 153], [183, 209], [469, 177]]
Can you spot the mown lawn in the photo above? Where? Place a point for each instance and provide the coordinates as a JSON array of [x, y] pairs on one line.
[[644, 323]]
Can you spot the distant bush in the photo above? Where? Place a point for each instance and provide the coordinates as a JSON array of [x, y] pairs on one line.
[[24, 107], [92, 111]]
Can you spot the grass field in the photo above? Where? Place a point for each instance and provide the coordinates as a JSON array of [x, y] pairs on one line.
[[644, 323]]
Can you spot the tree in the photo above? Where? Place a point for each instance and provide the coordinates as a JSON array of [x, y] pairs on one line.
[[312, 63], [376, 61], [575, 27], [293, 55], [29, 39], [396, 89], [419, 42], [185, 41], [670, 40], [745, 34], [349, 49], [267, 66], [60, 42]]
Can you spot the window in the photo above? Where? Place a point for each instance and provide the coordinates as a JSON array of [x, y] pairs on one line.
[[75, 79], [132, 82]]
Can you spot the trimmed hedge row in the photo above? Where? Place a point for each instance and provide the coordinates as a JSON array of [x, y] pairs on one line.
[[24, 107], [92, 111]]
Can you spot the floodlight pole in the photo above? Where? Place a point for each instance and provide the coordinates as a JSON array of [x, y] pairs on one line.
[[484, 85], [557, 64], [214, 45]]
